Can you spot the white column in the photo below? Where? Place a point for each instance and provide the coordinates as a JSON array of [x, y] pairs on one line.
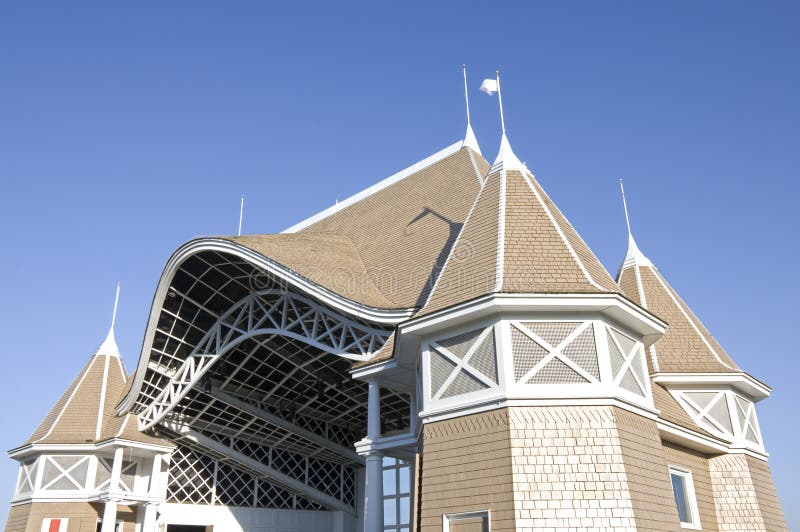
[[373, 492], [110, 510], [373, 482], [154, 491], [373, 411]]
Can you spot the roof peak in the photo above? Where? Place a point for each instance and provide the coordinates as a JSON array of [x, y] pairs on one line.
[[109, 346], [634, 256], [506, 158], [470, 141]]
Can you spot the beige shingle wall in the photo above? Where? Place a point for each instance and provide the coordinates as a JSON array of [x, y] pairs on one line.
[[467, 466], [768, 501], [647, 472], [744, 494], [697, 463], [588, 467], [82, 516]]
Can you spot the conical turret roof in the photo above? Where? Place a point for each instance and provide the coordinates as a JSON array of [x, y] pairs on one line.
[[687, 346], [85, 412], [515, 240]]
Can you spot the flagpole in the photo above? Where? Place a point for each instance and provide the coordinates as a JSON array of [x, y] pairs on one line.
[[500, 99], [466, 94], [114, 313]]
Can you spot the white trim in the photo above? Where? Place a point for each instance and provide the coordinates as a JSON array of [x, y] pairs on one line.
[[392, 179], [477, 514], [617, 307], [101, 407], [691, 497], [741, 381], [500, 259], [31, 448], [560, 231], [477, 170]]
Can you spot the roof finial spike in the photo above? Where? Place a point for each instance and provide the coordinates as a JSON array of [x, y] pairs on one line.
[[500, 99], [466, 93], [625, 206], [634, 257], [241, 213], [469, 137], [109, 345], [114, 313]]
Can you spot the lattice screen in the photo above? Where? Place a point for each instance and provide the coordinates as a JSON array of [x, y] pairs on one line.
[[195, 478], [746, 411], [554, 352], [710, 410], [627, 362], [463, 364], [65, 473], [127, 474], [27, 477]]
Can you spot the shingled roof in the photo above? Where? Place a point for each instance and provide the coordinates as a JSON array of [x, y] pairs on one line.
[[515, 240], [687, 346], [85, 412]]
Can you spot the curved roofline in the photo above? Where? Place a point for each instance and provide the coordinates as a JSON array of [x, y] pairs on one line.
[[295, 280]]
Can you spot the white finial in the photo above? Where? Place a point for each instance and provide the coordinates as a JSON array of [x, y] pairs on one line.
[[466, 93], [109, 345], [505, 156], [625, 206], [469, 138], [241, 213], [116, 302], [634, 257]]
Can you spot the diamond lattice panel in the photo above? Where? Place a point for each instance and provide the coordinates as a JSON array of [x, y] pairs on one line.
[[527, 353], [461, 384], [583, 352], [551, 332], [556, 372], [484, 359], [459, 345], [441, 368]]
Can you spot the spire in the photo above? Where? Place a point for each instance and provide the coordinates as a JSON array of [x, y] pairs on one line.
[[469, 138], [687, 346], [505, 156], [109, 345], [634, 257]]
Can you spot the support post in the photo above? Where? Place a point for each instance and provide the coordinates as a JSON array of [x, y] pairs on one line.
[[110, 510], [154, 491], [373, 484]]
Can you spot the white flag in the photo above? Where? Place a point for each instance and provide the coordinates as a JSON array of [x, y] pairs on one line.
[[489, 86]]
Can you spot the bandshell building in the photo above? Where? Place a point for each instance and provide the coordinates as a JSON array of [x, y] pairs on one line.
[[440, 352]]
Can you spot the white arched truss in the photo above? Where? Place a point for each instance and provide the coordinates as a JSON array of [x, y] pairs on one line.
[[267, 312]]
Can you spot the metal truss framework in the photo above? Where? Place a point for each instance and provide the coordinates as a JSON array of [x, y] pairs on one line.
[[267, 312]]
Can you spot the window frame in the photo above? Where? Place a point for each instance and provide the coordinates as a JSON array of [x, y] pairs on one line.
[[691, 496], [446, 518], [397, 465]]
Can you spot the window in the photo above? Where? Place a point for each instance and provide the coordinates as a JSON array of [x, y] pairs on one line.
[[466, 522], [685, 500], [396, 495]]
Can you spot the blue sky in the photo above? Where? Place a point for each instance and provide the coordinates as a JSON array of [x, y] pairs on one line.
[[129, 128]]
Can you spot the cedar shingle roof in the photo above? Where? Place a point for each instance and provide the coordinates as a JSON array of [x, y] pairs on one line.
[[515, 240], [386, 249], [687, 346], [86, 411]]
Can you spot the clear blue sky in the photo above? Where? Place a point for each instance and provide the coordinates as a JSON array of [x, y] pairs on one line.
[[127, 128]]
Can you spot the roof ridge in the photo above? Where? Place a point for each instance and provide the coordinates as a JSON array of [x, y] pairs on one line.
[[560, 230], [380, 185]]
